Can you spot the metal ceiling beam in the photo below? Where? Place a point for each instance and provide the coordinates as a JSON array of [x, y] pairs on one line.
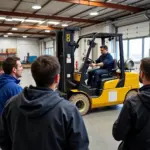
[[41, 27], [65, 9], [45, 4], [115, 10], [83, 11], [120, 2], [16, 32], [19, 2], [104, 4], [42, 6], [104, 19], [18, 14]]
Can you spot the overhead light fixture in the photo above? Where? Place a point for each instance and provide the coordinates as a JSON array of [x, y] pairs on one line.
[[33, 21], [24, 36], [8, 19], [2, 18], [6, 35], [53, 22], [94, 13], [17, 19], [64, 25], [14, 29], [47, 31], [36, 6], [9, 33], [41, 22]]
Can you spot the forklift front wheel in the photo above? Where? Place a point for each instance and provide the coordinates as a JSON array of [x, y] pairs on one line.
[[81, 101]]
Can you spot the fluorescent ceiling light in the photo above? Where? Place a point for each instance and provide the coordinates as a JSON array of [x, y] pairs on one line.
[[2, 18], [47, 31], [53, 22], [36, 6], [17, 19], [94, 13], [24, 36], [33, 21], [8, 19], [41, 22], [9, 33], [5, 35], [14, 29], [64, 25]]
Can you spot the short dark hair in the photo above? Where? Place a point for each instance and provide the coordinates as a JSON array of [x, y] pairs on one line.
[[44, 69], [145, 67], [9, 63], [104, 46]]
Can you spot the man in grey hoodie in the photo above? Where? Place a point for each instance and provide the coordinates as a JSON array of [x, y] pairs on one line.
[[133, 124], [39, 119]]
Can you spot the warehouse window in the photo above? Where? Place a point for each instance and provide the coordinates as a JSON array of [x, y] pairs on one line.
[[49, 51], [147, 47], [125, 49], [135, 49]]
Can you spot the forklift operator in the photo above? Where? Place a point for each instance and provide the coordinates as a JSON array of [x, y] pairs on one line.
[[105, 62]]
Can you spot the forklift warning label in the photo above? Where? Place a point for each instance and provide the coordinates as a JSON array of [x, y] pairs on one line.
[[68, 60], [112, 96], [68, 37]]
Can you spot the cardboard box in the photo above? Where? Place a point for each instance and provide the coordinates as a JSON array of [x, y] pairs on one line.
[[11, 50], [14, 50]]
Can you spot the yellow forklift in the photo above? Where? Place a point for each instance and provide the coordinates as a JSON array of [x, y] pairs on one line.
[[113, 88]]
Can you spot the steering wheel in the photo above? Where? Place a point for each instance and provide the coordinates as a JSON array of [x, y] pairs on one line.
[[89, 60]]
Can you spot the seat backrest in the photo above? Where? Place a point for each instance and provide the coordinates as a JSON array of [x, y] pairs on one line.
[[115, 64]]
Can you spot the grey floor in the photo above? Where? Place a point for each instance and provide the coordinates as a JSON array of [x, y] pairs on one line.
[[99, 126]]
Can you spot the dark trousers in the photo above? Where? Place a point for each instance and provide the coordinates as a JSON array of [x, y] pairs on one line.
[[95, 75]]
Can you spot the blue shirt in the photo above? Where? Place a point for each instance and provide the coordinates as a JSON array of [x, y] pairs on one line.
[[107, 60], [8, 87]]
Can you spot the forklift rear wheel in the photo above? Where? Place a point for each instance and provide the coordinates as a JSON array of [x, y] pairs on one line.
[[81, 101], [130, 94]]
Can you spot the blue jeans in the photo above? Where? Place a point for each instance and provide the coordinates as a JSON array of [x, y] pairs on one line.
[[95, 75]]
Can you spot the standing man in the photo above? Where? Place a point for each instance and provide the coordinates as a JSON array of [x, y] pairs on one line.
[[133, 124], [39, 119], [10, 79], [105, 62]]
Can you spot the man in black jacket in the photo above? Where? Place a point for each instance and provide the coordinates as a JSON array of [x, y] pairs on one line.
[[38, 119], [133, 124]]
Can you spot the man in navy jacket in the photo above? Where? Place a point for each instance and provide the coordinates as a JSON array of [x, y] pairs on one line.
[[105, 62], [39, 119], [9, 80]]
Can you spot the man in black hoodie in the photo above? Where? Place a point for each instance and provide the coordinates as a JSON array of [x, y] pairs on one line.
[[133, 123], [38, 119]]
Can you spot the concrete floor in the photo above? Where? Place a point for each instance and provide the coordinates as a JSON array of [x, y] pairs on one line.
[[99, 126]]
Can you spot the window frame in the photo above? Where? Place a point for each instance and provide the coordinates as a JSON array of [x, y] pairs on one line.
[[143, 46]]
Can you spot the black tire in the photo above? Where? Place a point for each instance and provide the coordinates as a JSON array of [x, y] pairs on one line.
[[130, 94], [82, 102]]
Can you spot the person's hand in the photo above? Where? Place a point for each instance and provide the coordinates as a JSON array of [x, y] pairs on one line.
[[1, 72], [93, 65]]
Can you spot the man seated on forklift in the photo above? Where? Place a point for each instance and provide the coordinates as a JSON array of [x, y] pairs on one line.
[[106, 64]]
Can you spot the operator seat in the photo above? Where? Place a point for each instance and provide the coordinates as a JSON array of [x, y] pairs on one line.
[[112, 72], [108, 76]]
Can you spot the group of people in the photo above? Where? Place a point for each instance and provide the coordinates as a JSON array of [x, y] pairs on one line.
[[38, 118]]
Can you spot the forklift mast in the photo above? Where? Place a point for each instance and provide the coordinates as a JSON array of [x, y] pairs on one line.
[[65, 46]]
